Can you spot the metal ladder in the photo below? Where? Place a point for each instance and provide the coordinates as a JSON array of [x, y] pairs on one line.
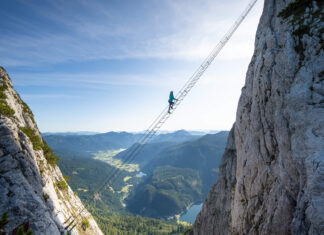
[[164, 115]]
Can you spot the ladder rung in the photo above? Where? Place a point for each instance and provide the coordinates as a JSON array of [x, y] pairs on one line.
[[162, 118], [69, 224], [72, 227], [67, 220]]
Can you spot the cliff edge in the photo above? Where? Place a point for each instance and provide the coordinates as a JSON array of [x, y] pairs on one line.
[[271, 177], [33, 189]]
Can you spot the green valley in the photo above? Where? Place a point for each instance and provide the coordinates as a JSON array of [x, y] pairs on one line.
[[160, 183], [86, 175], [168, 191]]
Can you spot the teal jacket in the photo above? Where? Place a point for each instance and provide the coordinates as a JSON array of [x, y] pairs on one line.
[[171, 98]]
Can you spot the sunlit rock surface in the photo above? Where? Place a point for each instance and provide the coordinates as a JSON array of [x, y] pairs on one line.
[[272, 175], [29, 184]]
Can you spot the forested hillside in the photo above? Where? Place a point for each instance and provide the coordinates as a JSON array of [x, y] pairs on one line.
[[168, 191], [203, 155], [86, 175], [178, 175], [179, 169]]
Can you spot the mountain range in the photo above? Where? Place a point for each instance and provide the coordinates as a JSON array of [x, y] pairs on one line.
[[109, 140], [178, 166], [181, 174]]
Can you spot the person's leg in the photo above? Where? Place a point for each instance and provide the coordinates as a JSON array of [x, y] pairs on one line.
[[170, 104]]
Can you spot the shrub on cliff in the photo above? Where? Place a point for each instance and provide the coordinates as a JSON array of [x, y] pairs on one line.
[[61, 184], [4, 107], [40, 144], [85, 224]]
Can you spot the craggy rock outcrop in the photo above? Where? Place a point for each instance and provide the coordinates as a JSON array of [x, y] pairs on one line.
[[32, 187], [217, 206], [274, 182]]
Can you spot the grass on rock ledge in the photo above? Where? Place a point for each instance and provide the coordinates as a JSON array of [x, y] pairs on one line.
[[5, 109], [40, 144]]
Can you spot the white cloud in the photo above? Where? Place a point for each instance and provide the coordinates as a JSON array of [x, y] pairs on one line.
[[189, 31], [99, 80], [46, 96]]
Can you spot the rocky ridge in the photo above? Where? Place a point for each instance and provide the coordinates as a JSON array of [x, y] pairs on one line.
[[271, 177], [33, 188]]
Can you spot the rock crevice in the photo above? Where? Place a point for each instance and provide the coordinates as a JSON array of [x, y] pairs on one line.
[[33, 188], [278, 134]]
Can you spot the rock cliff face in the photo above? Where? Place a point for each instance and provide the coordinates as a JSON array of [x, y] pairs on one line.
[[272, 174], [32, 186]]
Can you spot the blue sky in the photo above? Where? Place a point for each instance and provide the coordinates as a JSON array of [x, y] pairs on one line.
[[109, 65]]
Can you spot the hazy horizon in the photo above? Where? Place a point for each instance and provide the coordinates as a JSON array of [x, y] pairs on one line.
[[110, 65], [119, 131]]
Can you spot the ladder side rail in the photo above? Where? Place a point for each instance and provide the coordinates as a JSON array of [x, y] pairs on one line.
[[130, 156], [148, 137], [162, 114], [199, 72], [70, 230], [152, 125], [208, 60], [133, 156], [116, 170], [67, 220], [221, 44], [156, 120], [119, 172], [161, 119], [196, 76], [66, 227], [141, 141]]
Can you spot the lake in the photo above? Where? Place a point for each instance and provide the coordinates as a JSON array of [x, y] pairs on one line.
[[141, 174], [191, 214]]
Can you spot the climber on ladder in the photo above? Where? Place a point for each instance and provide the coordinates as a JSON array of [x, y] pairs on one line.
[[162, 118], [171, 99]]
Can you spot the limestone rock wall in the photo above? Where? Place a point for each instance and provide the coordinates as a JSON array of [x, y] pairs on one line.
[[30, 189], [274, 183], [216, 209]]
